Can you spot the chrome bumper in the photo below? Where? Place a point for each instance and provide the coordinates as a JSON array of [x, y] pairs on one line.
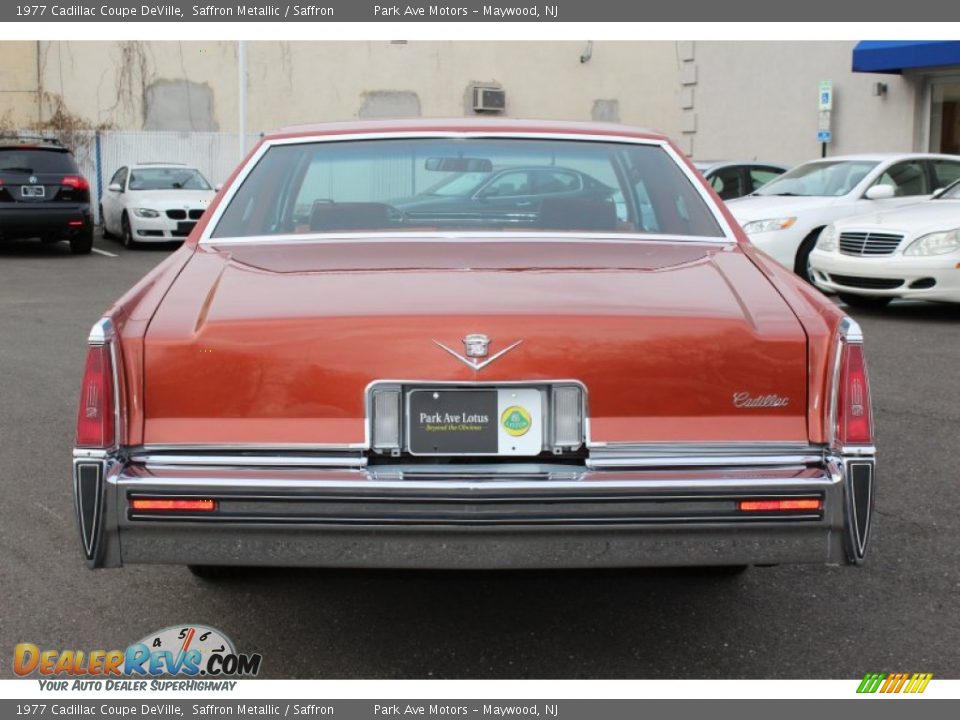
[[605, 514]]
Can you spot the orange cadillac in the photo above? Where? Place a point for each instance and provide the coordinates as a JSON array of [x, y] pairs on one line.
[[472, 344]]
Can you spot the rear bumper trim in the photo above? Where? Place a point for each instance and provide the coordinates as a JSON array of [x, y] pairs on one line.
[[458, 516]]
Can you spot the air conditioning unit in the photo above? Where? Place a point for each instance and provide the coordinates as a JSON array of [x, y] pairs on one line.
[[489, 99]]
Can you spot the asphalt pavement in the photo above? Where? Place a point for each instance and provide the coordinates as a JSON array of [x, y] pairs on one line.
[[899, 612]]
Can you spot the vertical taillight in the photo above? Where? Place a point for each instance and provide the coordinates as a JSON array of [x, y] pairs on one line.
[[854, 416], [96, 423], [76, 182]]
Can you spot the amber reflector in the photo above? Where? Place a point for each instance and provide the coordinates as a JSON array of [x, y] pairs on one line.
[[180, 504], [784, 504]]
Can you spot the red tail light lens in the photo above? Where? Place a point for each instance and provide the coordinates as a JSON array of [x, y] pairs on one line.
[[76, 182], [854, 414], [95, 418], [780, 505], [172, 505]]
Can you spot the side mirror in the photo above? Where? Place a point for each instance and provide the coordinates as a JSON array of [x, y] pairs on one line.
[[880, 192], [115, 187], [218, 188], [938, 192]]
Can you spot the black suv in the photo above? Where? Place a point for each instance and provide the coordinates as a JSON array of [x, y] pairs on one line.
[[42, 193]]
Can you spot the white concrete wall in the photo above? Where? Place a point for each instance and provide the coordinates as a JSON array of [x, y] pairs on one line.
[[296, 82], [759, 100], [19, 95]]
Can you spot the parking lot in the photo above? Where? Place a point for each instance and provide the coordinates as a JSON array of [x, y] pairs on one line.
[[899, 612]]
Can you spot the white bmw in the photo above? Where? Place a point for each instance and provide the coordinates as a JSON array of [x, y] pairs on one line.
[[154, 202], [784, 217], [911, 252]]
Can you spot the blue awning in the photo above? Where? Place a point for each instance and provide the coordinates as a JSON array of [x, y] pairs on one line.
[[895, 56]]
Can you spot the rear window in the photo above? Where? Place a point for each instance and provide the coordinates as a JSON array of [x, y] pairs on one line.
[[478, 184], [36, 160]]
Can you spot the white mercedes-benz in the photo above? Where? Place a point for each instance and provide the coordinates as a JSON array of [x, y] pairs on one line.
[[910, 252], [154, 202], [784, 217]]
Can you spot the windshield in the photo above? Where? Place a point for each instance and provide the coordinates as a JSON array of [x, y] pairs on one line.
[[951, 193], [820, 179], [176, 178], [439, 184], [36, 160], [456, 185]]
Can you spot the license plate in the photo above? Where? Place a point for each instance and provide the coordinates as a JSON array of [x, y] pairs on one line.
[[501, 421], [32, 191], [185, 227]]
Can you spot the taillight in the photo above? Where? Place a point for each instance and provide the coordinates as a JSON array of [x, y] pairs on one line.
[[173, 504], [96, 426], [77, 182], [780, 505], [854, 414]]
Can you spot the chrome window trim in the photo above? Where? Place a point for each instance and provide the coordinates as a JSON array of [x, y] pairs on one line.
[[727, 236]]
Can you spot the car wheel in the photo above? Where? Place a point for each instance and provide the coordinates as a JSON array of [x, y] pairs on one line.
[[213, 573], [802, 264], [82, 242], [103, 226], [866, 302], [126, 233]]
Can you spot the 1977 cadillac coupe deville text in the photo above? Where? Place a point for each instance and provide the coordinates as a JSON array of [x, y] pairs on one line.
[[582, 364]]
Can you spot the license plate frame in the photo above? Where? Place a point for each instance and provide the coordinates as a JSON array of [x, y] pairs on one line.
[[472, 422]]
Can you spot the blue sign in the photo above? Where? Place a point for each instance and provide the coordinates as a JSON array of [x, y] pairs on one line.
[[824, 136]]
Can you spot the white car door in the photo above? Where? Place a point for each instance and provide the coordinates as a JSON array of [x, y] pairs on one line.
[[112, 201]]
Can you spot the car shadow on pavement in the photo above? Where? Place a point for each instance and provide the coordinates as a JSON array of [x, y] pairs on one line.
[[486, 624], [912, 311], [34, 248]]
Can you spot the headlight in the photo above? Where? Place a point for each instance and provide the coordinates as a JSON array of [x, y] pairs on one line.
[[938, 243], [760, 226], [146, 213], [828, 239]]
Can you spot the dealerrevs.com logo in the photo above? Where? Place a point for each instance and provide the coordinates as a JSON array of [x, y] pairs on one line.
[[180, 651]]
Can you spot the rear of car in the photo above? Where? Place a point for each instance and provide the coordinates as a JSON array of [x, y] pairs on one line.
[[43, 195], [617, 381]]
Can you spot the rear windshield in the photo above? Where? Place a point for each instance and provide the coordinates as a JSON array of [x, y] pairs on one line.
[[466, 184], [167, 179], [36, 160]]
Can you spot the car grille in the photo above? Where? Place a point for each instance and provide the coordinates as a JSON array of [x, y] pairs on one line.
[[866, 282], [869, 243], [182, 214]]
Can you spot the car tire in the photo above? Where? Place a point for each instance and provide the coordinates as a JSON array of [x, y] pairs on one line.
[[802, 263], [866, 302], [126, 234], [103, 226], [213, 573], [82, 242]]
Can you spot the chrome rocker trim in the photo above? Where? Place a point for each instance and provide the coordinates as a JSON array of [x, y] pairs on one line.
[[290, 512]]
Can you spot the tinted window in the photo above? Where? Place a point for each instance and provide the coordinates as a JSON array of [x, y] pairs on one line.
[[906, 179], [35, 160], [946, 172], [119, 177], [728, 182], [388, 185]]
